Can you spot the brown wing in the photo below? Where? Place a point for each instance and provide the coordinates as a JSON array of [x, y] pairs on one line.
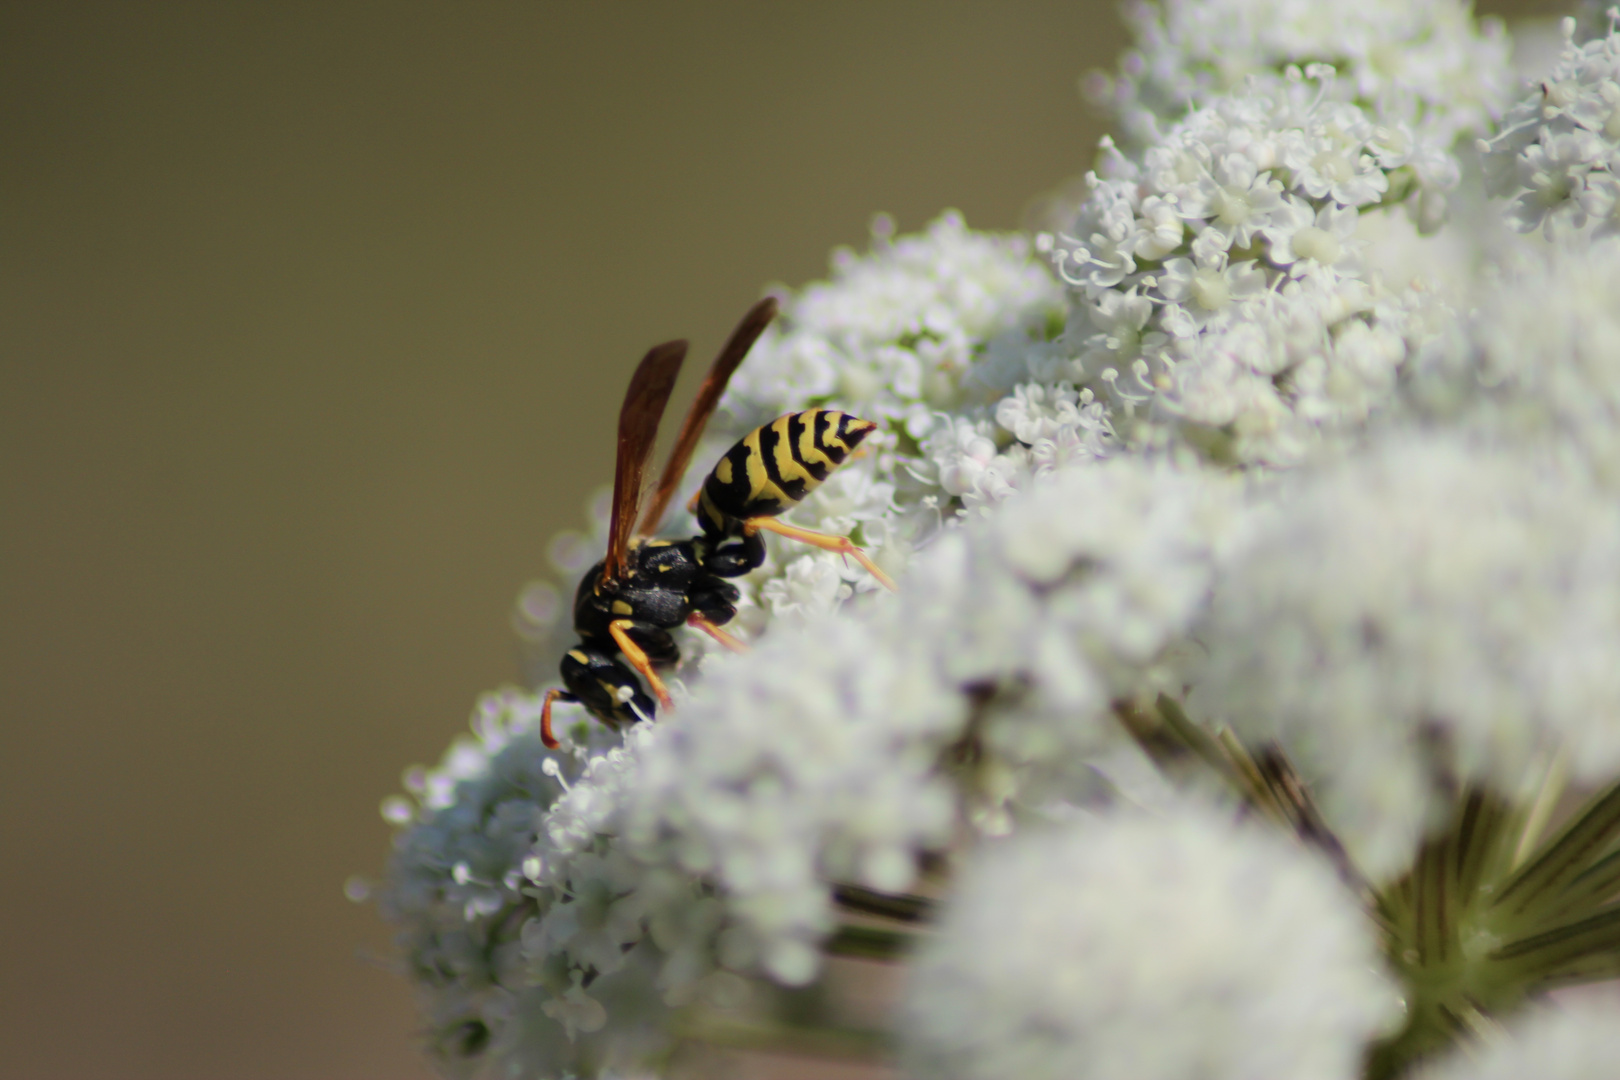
[[643, 407], [697, 417]]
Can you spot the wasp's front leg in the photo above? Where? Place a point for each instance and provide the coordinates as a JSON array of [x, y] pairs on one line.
[[638, 658]]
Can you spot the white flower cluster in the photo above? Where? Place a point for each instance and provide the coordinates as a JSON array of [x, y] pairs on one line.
[[453, 887], [1557, 155], [1220, 285], [821, 756], [1540, 359], [1576, 1042], [476, 922], [1227, 472], [729, 791], [1427, 612], [1425, 64], [902, 336], [891, 333], [1152, 947]]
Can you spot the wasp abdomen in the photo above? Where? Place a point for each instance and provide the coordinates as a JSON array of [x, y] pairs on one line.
[[773, 468]]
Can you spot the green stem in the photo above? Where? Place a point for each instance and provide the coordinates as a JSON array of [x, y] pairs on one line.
[[902, 907], [1538, 884], [1197, 739], [870, 943], [1592, 886], [1478, 924], [1548, 792], [1543, 955]]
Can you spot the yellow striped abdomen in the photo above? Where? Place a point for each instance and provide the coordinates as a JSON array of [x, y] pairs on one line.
[[772, 468]]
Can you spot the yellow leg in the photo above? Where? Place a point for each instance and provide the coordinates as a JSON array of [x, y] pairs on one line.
[[638, 660], [545, 720], [715, 632], [841, 544], [691, 504]]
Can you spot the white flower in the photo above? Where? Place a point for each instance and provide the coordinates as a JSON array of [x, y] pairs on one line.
[[1200, 293], [1558, 150], [1578, 1041], [1056, 415], [809, 760], [1120, 552], [1342, 157], [576, 1010], [1322, 238], [458, 897], [1232, 342], [1237, 198], [894, 328], [1162, 228], [812, 585], [962, 451], [1105, 257], [1425, 64], [1545, 346], [595, 918], [1156, 948], [1428, 613]]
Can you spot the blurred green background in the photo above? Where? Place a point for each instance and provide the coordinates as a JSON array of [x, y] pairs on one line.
[[313, 327]]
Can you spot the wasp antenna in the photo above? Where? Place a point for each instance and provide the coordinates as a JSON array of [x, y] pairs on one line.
[[643, 408], [742, 339]]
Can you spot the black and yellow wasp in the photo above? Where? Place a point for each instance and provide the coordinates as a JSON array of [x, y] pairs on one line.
[[627, 604]]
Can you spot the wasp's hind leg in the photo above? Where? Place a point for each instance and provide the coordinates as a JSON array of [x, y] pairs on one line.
[[698, 622], [714, 603], [843, 545]]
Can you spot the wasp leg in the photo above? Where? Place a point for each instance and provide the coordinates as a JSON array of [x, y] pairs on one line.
[[545, 716], [841, 544], [638, 659], [714, 598], [691, 504], [736, 557], [715, 632]]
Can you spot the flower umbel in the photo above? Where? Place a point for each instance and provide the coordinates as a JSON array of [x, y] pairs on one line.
[[1556, 155], [1249, 705]]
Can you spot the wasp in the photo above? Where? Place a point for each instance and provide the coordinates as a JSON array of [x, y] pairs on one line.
[[627, 604]]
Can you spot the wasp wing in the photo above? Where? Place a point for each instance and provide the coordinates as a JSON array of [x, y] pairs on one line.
[[742, 339], [643, 407]]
